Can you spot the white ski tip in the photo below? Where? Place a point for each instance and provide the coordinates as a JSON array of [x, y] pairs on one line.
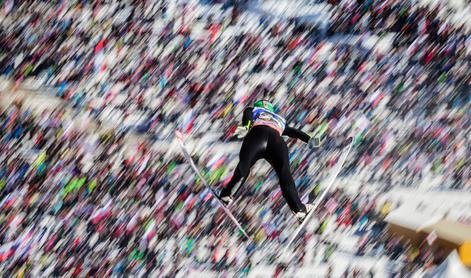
[[179, 135]]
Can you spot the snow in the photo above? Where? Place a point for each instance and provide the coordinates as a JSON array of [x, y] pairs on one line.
[[314, 13], [262, 272]]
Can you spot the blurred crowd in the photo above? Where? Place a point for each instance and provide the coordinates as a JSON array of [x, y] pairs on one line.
[[81, 203], [151, 67], [408, 19]]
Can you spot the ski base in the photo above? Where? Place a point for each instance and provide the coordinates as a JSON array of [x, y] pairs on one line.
[[319, 200], [187, 155]]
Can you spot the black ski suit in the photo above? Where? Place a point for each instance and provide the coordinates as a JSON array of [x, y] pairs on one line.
[[265, 142]]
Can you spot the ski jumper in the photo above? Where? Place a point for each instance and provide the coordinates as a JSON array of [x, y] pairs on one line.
[[264, 140]]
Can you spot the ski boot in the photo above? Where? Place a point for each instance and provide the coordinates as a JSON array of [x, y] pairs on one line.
[[301, 215]]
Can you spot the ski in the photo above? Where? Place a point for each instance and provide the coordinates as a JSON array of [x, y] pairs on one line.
[[340, 163], [190, 160]]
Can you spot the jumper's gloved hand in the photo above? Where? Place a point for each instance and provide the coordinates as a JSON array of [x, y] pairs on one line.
[[315, 142], [241, 131], [319, 135]]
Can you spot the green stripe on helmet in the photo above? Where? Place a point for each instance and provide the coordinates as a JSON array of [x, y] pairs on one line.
[[265, 104]]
